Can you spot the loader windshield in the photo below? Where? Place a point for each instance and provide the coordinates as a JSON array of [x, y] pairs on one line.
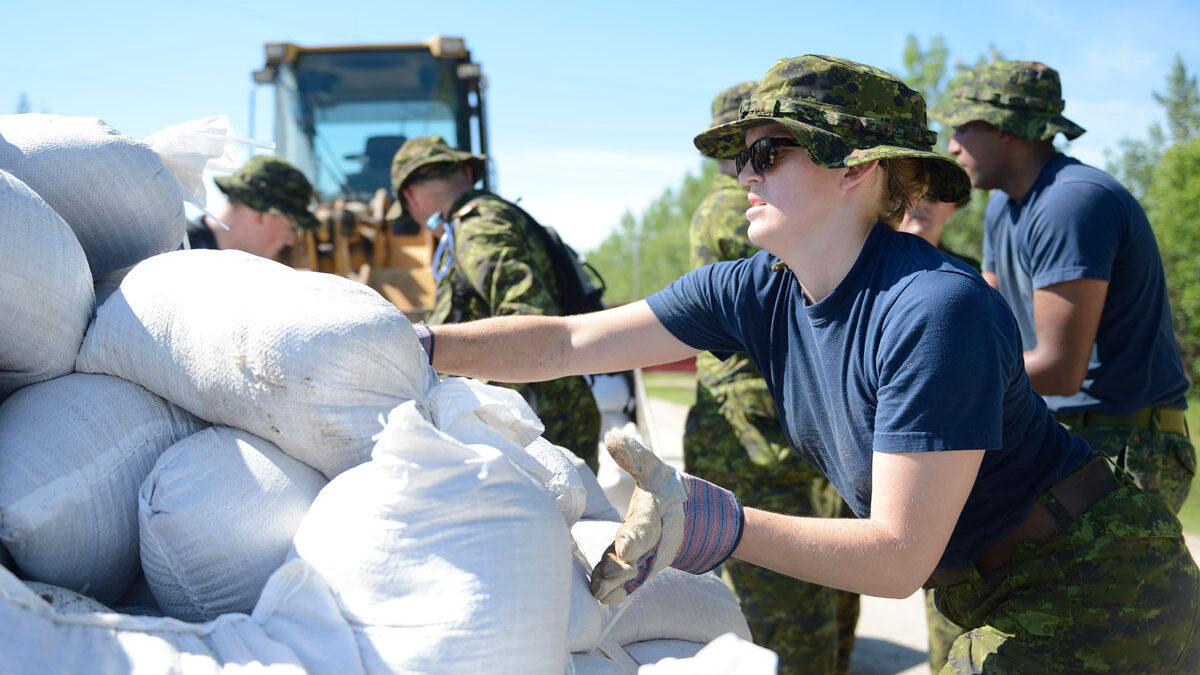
[[341, 116]]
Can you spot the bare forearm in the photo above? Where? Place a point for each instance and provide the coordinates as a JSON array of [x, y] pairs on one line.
[[861, 556], [505, 349]]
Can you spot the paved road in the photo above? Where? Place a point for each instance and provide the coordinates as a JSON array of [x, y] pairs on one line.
[[891, 638]]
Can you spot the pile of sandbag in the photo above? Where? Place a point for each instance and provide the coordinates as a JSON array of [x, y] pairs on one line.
[[242, 463]]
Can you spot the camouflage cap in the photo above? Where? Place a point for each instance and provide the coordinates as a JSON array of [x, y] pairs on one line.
[[843, 113], [727, 103], [423, 151], [271, 185], [1022, 98]]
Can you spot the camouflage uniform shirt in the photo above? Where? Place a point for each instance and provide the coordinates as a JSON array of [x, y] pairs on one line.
[[501, 268]]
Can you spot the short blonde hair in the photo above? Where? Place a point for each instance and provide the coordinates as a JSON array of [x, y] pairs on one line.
[[906, 181]]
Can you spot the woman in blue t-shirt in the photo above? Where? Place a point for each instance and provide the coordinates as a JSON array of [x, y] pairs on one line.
[[898, 373]]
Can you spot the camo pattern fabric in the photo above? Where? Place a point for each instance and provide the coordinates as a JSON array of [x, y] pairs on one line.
[[1022, 98], [1160, 463], [1113, 590], [733, 438], [423, 151], [271, 185], [843, 113], [501, 269]]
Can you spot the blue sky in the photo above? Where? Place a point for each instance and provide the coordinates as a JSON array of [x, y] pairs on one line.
[[592, 106]]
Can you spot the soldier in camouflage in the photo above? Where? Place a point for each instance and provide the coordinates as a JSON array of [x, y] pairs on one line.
[[733, 438], [901, 376], [1079, 235], [488, 263], [268, 199], [1073, 254]]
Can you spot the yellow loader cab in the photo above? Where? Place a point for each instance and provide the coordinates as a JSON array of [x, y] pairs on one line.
[[341, 112]]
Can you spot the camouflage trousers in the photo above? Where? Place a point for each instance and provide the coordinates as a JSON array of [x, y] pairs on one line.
[[810, 627], [1159, 462], [1113, 590]]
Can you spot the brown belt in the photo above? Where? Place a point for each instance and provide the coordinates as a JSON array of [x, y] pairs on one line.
[[1167, 420], [1066, 499]]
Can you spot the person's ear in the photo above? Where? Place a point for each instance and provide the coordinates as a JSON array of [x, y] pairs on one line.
[[858, 173]]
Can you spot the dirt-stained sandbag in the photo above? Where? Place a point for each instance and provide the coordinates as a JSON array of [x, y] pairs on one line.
[[73, 452], [309, 361], [216, 517], [46, 294], [115, 192]]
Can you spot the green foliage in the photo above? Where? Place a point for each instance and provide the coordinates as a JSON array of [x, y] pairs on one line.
[[1175, 195], [1163, 172], [928, 71], [645, 254]]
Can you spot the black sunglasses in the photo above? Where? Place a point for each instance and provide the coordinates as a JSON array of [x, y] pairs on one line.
[[761, 153]]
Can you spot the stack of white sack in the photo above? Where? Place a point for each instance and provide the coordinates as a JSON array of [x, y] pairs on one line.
[[73, 452], [46, 295], [216, 517], [305, 360], [465, 545], [114, 191]]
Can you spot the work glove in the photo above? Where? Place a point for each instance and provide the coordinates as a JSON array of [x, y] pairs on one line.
[[673, 520]]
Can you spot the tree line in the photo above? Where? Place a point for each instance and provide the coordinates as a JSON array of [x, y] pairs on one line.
[[646, 252]]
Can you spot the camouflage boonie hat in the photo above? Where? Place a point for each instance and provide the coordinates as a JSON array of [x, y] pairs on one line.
[[423, 151], [727, 103], [1022, 98], [271, 185], [843, 113]]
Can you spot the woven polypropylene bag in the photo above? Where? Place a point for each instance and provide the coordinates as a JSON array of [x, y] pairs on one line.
[[45, 290], [115, 192], [308, 361]]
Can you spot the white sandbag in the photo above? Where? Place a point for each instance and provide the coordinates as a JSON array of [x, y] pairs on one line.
[[445, 558], [597, 506], [45, 289], [588, 663], [294, 630], [113, 190], [728, 654], [308, 361], [73, 452], [64, 600], [653, 651], [138, 600], [672, 605], [216, 517]]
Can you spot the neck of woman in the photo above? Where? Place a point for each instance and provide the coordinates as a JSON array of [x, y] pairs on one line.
[[824, 257]]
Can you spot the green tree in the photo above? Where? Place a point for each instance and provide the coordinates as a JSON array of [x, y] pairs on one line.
[[928, 71], [1137, 159], [1175, 194], [645, 254], [23, 105]]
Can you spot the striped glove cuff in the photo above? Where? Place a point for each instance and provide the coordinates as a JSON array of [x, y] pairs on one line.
[[712, 526]]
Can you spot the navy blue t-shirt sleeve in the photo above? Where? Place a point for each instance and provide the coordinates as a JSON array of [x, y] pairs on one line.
[[699, 308], [991, 215], [942, 364], [1074, 234]]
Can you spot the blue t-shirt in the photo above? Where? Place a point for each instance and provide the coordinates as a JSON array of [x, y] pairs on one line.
[[912, 352], [1077, 222]]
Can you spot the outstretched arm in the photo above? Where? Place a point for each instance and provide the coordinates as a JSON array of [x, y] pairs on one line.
[[536, 348]]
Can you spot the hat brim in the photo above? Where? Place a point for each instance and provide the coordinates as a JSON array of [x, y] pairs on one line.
[[1045, 126], [305, 219], [475, 162], [948, 181]]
